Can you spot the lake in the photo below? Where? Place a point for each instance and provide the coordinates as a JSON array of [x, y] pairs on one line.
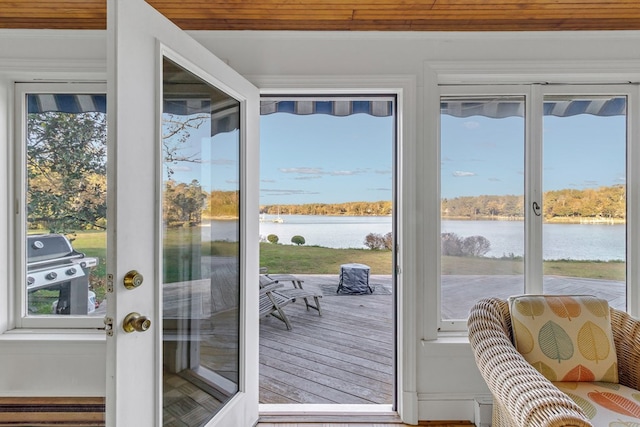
[[561, 241]]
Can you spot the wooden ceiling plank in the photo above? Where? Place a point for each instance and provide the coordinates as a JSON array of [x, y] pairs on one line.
[[493, 14], [380, 15]]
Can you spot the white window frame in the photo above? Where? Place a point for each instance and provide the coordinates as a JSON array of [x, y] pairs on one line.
[[533, 163], [18, 293]]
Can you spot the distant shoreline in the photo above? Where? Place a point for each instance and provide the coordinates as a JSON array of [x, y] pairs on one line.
[[554, 220]]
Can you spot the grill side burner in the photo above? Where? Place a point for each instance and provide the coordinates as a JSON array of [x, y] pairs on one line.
[[53, 264]]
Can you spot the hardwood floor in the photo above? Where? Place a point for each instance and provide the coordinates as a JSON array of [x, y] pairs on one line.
[[422, 423]]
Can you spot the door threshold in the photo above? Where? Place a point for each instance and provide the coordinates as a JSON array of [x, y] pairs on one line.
[[328, 413]]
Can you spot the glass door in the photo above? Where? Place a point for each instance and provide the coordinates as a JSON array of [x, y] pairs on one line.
[[182, 309]]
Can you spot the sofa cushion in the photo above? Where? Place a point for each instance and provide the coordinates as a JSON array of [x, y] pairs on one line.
[[605, 404], [565, 337]]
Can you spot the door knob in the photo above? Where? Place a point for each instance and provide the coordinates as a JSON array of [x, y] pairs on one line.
[[136, 322], [132, 279]]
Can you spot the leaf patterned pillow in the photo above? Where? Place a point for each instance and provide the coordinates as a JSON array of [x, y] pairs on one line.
[[565, 337]]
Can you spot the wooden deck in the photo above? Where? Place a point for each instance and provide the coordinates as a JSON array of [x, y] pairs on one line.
[[346, 356]]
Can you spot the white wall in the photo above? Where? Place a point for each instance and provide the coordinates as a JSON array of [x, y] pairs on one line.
[[447, 379]]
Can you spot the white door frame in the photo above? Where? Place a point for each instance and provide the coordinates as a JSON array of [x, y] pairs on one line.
[[407, 204]]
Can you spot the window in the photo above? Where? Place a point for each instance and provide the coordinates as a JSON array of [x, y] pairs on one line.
[[533, 194], [61, 213]]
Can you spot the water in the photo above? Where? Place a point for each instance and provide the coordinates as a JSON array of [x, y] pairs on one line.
[[327, 231], [561, 241]]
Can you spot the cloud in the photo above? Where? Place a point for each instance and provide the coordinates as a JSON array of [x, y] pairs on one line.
[[379, 189], [285, 192], [308, 171], [591, 183], [463, 174], [495, 179], [305, 178], [223, 162], [383, 172], [320, 171], [471, 125], [268, 180], [181, 168]]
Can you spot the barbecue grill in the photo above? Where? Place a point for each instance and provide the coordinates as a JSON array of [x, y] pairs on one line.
[[53, 264]]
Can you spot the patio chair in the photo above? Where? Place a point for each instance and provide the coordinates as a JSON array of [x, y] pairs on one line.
[[297, 291], [523, 396], [272, 302]]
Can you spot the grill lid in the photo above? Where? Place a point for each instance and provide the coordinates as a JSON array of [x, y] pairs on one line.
[[49, 247]]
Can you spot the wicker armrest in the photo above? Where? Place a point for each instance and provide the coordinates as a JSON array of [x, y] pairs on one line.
[[523, 397], [626, 335]]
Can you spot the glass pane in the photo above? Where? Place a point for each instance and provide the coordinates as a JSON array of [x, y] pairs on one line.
[[584, 199], [482, 206], [66, 204], [201, 253]]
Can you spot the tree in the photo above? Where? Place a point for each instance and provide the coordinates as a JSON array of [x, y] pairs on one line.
[[298, 240], [175, 134], [66, 169], [183, 203], [272, 238]]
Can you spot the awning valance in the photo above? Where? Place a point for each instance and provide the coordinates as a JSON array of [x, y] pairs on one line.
[[511, 107], [67, 103], [334, 107]]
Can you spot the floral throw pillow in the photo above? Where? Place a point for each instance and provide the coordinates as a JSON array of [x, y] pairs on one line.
[[565, 337]]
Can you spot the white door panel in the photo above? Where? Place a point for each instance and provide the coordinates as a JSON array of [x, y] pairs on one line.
[[140, 41]]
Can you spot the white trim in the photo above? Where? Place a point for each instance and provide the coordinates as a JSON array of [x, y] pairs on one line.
[[633, 200], [534, 71], [406, 163], [533, 182], [21, 319]]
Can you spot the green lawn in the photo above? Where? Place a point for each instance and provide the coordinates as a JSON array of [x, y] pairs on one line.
[[318, 260]]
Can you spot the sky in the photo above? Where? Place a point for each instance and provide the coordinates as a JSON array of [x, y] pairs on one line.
[[326, 159], [485, 156]]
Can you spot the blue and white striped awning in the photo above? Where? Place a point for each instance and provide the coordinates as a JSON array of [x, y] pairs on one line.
[[511, 107], [66, 103], [333, 107], [227, 118]]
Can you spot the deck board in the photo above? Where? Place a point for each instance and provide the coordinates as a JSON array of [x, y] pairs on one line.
[[344, 356]]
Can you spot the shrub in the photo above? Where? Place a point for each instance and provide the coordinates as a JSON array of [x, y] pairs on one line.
[[453, 245], [475, 246], [298, 240], [388, 241], [374, 241], [272, 238], [450, 244]]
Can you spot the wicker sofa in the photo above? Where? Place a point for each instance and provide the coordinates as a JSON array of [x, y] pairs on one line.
[[523, 396]]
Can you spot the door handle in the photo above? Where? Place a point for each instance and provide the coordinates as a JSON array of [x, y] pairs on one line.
[[536, 209], [136, 322]]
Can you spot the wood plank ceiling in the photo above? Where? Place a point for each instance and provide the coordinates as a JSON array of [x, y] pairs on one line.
[[348, 15]]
